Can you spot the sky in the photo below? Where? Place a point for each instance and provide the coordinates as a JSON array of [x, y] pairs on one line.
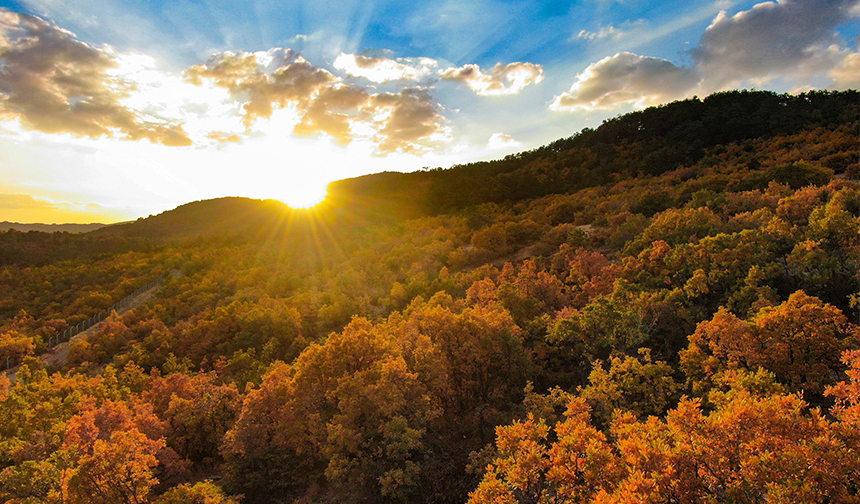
[[115, 109]]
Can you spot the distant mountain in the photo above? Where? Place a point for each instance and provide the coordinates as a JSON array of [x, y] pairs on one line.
[[51, 228], [222, 216], [647, 142]]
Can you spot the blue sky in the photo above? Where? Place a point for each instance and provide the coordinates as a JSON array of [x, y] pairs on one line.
[[184, 100]]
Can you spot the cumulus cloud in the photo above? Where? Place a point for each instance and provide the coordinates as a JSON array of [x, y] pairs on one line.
[[500, 80], [333, 111], [499, 141], [507, 79], [381, 69], [54, 83], [407, 121], [404, 117], [245, 75], [773, 38], [791, 39], [624, 78], [846, 75]]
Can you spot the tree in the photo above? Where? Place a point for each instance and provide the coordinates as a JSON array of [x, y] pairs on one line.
[[750, 448], [15, 346], [115, 449], [531, 469], [353, 409], [847, 393], [635, 385], [117, 470], [197, 412], [204, 492], [801, 341], [798, 340]]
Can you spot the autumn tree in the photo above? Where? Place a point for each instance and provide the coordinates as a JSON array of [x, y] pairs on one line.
[[204, 492], [631, 384], [115, 449], [575, 467], [798, 340], [750, 448], [117, 470], [197, 412], [353, 409]]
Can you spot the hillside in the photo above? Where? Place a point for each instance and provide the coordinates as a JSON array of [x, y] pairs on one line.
[[222, 216], [648, 142], [651, 311], [644, 143]]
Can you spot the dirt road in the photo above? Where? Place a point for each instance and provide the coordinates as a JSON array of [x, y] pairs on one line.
[[57, 356]]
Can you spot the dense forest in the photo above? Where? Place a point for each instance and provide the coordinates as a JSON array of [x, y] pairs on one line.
[[664, 309]]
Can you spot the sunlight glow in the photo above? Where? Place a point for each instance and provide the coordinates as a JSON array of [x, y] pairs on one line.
[[298, 196]]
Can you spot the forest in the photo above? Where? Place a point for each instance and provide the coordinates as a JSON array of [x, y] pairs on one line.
[[663, 309]]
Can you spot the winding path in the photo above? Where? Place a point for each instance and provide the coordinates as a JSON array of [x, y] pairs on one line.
[[58, 355]]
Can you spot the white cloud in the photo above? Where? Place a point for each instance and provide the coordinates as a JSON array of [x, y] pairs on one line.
[[500, 141], [507, 79], [605, 32], [381, 69], [626, 78], [54, 83], [789, 38], [846, 75], [408, 122], [501, 80], [402, 122]]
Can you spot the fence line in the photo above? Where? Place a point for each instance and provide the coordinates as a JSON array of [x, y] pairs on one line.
[[80, 327]]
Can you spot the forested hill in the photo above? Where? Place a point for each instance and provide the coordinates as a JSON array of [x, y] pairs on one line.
[[228, 218], [648, 142], [221, 216]]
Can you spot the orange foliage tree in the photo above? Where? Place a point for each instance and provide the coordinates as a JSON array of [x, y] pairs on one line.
[[798, 340], [750, 448]]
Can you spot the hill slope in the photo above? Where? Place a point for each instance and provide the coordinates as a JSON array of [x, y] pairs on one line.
[[644, 143], [648, 142], [222, 216]]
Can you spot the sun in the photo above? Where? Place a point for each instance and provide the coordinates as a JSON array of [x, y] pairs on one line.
[[302, 196]]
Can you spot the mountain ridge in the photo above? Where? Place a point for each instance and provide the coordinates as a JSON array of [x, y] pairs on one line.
[[637, 144], [642, 143]]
